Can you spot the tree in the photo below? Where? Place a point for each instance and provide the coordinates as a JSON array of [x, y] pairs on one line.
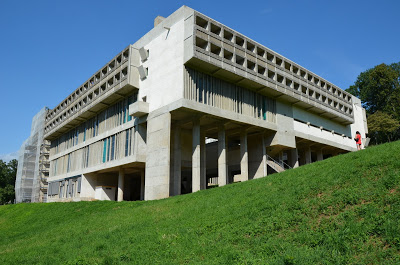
[[382, 127], [379, 91], [8, 173]]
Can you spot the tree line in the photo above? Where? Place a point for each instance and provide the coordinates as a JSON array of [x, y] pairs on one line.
[[379, 91], [8, 173]]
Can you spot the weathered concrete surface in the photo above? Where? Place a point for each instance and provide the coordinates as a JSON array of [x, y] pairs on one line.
[[158, 157]]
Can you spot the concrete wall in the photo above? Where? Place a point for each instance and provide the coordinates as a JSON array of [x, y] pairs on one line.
[[360, 121], [303, 115], [158, 157], [164, 83]]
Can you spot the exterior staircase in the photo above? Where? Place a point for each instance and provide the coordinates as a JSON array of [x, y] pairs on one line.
[[278, 166]]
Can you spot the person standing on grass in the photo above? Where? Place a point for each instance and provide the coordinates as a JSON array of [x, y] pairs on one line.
[[358, 140]]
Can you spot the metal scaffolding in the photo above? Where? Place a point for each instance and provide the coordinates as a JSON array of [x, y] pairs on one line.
[[32, 171]]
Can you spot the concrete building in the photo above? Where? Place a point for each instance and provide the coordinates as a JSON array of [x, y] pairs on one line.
[[193, 104]]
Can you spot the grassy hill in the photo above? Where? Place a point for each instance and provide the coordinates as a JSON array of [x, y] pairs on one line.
[[343, 210]]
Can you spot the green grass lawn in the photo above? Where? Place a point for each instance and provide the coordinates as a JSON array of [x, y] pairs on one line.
[[343, 210]]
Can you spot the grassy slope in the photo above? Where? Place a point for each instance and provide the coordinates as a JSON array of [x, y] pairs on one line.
[[344, 210]]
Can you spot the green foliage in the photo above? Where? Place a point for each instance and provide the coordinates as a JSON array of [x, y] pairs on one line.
[[382, 127], [8, 172], [343, 210], [379, 90]]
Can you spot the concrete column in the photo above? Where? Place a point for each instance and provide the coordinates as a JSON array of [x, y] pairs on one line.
[[244, 161], [203, 163], [196, 156], [222, 157], [255, 148], [294, 158], [121, 177], [139, 143], [158, 157], [307, 154], [142, 185], [264, 161], [320, 156], [177, 161]]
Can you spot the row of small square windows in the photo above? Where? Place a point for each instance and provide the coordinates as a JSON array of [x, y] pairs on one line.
[[245, 44], [96, 78], [268, 73], [116, 79], [271, 74]]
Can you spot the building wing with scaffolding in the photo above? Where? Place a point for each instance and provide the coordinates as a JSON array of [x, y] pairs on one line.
[[33, 164]]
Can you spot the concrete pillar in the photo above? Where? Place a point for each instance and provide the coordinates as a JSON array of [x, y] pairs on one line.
[[255, 149], [264, 160], [196, 156], [121, 177], [203, 163], [177, 161], [139, 144], [158, 157], [307, 154], [294, 158], [244, 161], [142, 185], [320, 156], [222, 157]]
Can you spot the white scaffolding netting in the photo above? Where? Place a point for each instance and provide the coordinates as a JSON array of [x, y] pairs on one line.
[[27, 184]]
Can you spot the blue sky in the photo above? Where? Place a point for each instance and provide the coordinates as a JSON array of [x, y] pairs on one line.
[[49, 48]]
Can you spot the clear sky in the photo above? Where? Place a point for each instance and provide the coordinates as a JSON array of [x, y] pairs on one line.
[[48, 48]]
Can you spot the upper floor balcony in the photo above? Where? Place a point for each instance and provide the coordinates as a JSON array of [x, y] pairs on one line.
[[222, 52], [112, 82]]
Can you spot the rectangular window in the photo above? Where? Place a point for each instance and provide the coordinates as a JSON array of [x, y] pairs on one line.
[[69, 162], [94, 128], [105, 150], [61, 189], [55, 167], [264, 109], [112, 147], [87, 156], [108, 149], [79, 184], [201, 90], [131, 132], [127, 142], [126, 111]]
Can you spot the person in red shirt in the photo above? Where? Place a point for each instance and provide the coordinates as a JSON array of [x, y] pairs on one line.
[[358, 140]]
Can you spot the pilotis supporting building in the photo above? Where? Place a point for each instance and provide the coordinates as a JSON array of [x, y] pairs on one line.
[[190, 105]]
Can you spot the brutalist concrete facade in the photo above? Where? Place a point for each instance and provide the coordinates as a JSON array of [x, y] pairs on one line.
[[190, 105]]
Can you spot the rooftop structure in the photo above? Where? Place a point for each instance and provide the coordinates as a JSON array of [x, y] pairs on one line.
[[190, 105]]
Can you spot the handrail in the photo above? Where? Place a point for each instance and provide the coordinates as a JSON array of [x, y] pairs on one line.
[[281, 162]]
